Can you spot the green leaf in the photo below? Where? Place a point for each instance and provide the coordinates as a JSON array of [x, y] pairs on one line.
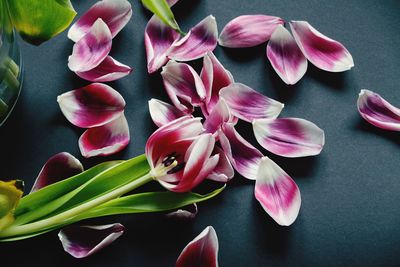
[[162, 10], [39, 20], [147, 202]]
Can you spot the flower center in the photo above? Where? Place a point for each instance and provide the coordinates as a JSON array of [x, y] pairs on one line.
[[168, 165]]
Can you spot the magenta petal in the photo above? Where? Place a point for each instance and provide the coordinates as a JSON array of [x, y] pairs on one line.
[[162, 113], [83, 241], [248, 30], [115, 13], [92, 49], [320, 50], [215, 77], [201, 251], [223, 172], [108, 70], [218, 116], [201, 39], [185, 213], [248, 104], [183, 85], [243, 156], [289, 137], [285, 56], [92, 105], [57, 168], [377, 111], [106, 139], [277, 193]]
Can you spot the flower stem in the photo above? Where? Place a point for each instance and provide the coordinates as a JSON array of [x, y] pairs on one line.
[[70, 214]]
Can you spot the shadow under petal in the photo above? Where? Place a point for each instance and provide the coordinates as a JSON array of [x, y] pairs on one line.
[[363, 125]]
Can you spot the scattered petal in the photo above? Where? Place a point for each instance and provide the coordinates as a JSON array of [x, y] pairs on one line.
[[289, 137], [218, 116], [201, 251], [115, 13], [91, 106], [83, 241], [186, 213], [223, 172], [243, 156], [277, 193], [10, 194], [285, 56], [377, 111], [183, 85], [248, 104], [105, 140], [108, 70], [57, 168], [320, 50], [248, 30], [91, 49], [215, 77], [201, 39], [158, 38], [162, 113]]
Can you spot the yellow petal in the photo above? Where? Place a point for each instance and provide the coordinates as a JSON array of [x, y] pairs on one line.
[[10, 194]]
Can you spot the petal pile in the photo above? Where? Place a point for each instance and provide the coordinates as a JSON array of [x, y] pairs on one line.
[[101, 109], [201, 251], [377, 111], [93, 34]]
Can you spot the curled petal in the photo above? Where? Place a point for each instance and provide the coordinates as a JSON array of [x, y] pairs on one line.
[[83, 241], [285, 56], [243, 156], [223, 172], [105, 140], [108, 70], [201, 39], [320, 50], [183, 85], [10, 194], [218, 116], [377, 111], [115, 13], [289, 137], [277, 193], [248, 104], [185, 213], [158, 38], [162, 113], [215, 77], [91, 106], [91, 49], [248, 30], [57, 168], [201, 251]]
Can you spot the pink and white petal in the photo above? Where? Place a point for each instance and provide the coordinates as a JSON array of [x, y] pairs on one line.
[[57, 168], [186, 213], [108, 70], [285, 56], [105, 140], [91, 106], [377, 111], [215, 77], [277, 193], [223, 172], [289, 137], [115, 13], [201, 251], [162, 113], [248, 30], [201, 39], [218, 116], [325, 53], [83, 241], [244, 157], [183, 85], [91, 49], [158, 38], [248, 104]]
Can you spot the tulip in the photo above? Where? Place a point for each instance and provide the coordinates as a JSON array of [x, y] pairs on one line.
[[10, 194]]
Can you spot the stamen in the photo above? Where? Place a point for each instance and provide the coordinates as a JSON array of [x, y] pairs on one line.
[[177, 168]]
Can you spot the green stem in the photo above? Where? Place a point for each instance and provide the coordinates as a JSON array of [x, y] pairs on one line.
[[3, 108], [69, 214]]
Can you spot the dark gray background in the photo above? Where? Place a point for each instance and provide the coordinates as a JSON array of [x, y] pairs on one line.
[[350, 213]]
